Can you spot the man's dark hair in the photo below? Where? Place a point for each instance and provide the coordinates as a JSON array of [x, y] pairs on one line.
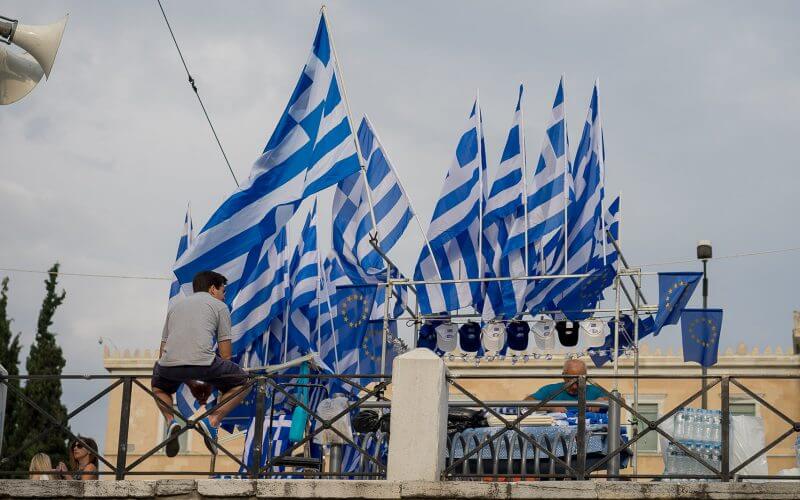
[[206, 279]]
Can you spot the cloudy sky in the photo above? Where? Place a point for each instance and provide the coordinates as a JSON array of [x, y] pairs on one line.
[[699, 101]]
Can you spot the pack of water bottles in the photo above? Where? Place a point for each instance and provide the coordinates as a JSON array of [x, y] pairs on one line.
[[701, 432]]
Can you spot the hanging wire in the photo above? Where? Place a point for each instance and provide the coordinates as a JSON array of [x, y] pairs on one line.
[[194, 87], [732, 256], [166, 278]]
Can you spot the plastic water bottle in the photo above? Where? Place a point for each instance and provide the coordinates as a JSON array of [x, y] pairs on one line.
[[680, 425], [691, 424], [716, 456], [707, 427], [694, 467], [717, 422]]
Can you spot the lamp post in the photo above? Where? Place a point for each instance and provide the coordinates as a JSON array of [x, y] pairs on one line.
[[704, 253]]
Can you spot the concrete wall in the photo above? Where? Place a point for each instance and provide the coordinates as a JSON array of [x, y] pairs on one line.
[[284, 489]]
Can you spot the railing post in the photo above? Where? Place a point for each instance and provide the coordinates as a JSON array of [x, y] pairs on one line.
[[124, 422], [580, 438], [258, 431], [613, 434], [725, 425]]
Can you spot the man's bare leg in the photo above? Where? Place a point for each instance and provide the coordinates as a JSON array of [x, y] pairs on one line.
[[167, 399], [229, 401]]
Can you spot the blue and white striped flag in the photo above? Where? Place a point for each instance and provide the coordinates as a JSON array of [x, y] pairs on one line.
[[548, 190], [585, 211], [585, 228], [313, 147], [305, 280], [352, 220], [455, 230], [503, 298], [262, 296], [187, 238], [271, 446], [612, 225]]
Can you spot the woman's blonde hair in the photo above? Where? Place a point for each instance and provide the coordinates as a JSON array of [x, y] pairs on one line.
[[41, 464]]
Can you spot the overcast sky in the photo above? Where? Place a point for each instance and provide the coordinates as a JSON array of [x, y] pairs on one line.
[[699, 102]]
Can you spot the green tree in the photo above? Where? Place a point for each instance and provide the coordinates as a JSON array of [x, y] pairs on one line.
[[9, 359], [44, 358]]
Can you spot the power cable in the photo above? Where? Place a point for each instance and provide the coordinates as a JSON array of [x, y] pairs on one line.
[[167, 278], [194, 87]]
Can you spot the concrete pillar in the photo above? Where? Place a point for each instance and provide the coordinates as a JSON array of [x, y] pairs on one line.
[[418, 433]]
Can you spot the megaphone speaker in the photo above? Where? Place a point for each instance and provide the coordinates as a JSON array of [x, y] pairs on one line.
[[41, 41], [19, 73]]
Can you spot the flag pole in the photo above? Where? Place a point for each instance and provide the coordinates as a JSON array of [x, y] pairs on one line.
[[602, 160], [566, 178], [481, 269], [405, 193], [339, 75], [330, 319], [524, 176]]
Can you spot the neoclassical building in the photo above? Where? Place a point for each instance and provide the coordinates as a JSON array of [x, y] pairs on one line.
[[656, 396]]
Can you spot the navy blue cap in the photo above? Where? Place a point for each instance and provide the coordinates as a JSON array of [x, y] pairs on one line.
[[470, 336], [517, 333], [427, 335]]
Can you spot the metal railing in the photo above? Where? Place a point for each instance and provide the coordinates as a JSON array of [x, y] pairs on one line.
[[571, 462], [262, 463]]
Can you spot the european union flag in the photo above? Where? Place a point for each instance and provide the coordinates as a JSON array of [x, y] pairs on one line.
[[701, 329], [674, 292], [370, 348], [586, 293]]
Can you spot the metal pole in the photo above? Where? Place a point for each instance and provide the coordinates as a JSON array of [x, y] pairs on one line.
[[616, 333], [258, 431], [580, 438], [704, 370], [566, 182], [725, 425], [635, 419], [613, 434], [481, 269], [385, 333], [335, 457], [124, 423]]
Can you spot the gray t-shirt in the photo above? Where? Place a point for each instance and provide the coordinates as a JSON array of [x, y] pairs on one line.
[[193, 324]]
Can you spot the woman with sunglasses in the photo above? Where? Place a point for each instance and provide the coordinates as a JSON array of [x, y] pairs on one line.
[[82, 462]]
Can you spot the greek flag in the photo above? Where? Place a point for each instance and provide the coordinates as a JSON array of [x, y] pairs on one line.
[[505, 198], [187, 238], [455, 230], [352, 221], [312, 147], [271, 446], [612, 225], [547, 198], [262, 296], [585, 232], [305, 280]]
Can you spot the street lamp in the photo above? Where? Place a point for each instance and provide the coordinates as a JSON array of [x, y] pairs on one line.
[[704, 253]]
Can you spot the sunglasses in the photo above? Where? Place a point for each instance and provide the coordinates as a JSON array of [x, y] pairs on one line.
[[78, 446]]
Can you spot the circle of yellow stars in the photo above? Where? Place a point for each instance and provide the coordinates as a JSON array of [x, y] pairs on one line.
[[587, 288], [355, 298], [670, 291], [711, 325]]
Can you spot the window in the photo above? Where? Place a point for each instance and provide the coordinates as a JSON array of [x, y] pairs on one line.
[[183, 439], [649, 442], [743, 408]]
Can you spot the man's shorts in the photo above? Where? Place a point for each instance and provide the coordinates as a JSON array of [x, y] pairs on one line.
[[222, 374]]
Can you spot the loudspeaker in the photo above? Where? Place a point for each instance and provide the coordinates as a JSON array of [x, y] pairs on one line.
[[19, 73], [41, 41]]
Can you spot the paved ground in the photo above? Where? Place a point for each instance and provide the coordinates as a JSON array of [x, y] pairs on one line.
[[190, 489]]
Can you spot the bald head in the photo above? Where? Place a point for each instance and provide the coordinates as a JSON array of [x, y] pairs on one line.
[[574, 367]]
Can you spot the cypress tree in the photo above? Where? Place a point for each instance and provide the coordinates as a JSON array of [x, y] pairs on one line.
[[45, 358], [9, 359]]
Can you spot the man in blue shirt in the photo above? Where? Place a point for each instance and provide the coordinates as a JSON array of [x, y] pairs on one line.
[[572, 367]]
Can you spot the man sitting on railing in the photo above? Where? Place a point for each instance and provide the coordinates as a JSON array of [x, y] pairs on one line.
[[572, 368], [187, 354]]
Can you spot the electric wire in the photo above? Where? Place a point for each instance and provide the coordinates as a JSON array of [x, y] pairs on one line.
[[167, 278], [194, 87]]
